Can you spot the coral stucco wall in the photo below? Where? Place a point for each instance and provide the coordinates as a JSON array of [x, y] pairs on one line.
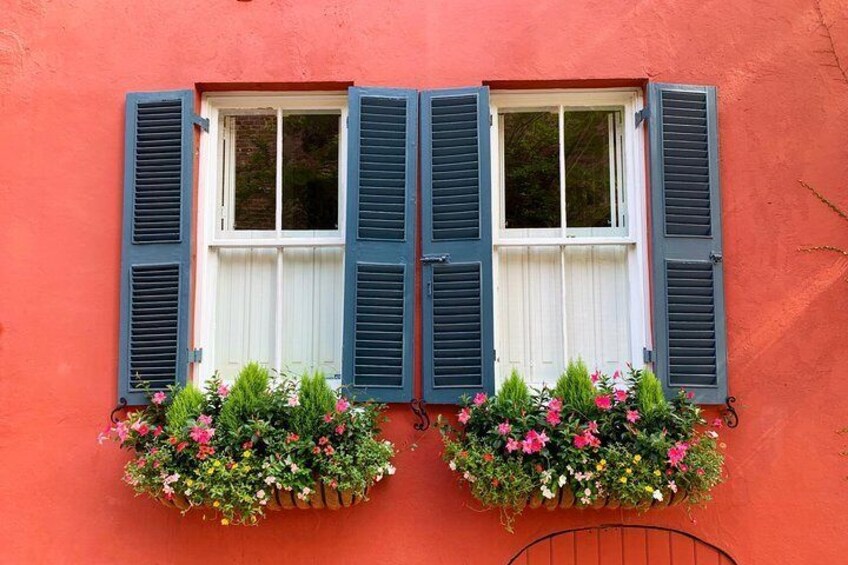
[[64, 70]]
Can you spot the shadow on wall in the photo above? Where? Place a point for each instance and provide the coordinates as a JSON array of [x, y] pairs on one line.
[[620, 545]]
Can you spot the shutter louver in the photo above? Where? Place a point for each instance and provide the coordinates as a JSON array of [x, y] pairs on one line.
[[457, 244], [156, 254], [379, 249], [689, 320]]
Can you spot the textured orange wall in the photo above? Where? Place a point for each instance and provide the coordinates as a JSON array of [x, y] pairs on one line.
[[64, 70]]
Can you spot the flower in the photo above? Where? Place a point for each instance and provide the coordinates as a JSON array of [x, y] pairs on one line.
[[620, 395], [555, 404], [342, 405], [201, 435], [596, 376], [633, 416], [223, 391], [592, 427], [205, 419], [512, 445], [452, 465], [488, 457], [604, 402], [534, 441], [480, 399], [158, 398], [547, 493], [622, 479], [672, 486], [328, 418], [504, 428], [464, 416], [637, 458], [676, 453], [390, 469], [293, 400], [225, 522], [580, 441], [340, 429], [553, 417], [717, 423], [658, 495]]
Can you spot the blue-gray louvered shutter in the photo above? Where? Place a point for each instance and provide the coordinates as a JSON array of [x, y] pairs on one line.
[[380, 243], [688, 291], [156, 254], [456, 244]]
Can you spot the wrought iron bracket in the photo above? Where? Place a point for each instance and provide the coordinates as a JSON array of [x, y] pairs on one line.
[[122, 403], [731, 418], [419, 408]]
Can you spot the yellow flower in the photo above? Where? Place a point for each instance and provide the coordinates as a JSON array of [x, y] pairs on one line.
[[234, 467], [189, 482], [210, 471], [217, 463], [629, 471], [649, 489], [246, 454], [637, 458], [623, 479], [225, 522], [599, 467], [657, 473], [216, 504], [246, 468], [603, 461]]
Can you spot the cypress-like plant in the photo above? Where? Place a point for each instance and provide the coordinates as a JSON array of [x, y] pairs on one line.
[[649, 394], [249, 398], [575, 388], [187, 404], [316, 399]]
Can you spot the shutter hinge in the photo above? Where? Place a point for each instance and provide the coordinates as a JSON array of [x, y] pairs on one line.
[[203, 123], [642, 115], [195, 355], [647, 355], [491, 120]]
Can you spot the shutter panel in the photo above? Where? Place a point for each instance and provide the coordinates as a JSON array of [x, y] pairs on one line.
[[457, 244], [156, 249], [380, 243], [688, 292]]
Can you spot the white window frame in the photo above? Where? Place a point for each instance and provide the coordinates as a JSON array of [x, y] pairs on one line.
[[209, 235], [628, 101]]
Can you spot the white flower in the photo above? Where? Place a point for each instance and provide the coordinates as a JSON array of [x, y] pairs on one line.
[[260, 493], [712, 433], [294, 468], [168, 489], [452, 465], [547, 493], [585, 500], [546, 476], [270, 480], [672, 486], [562, 480], [188, 492], [469, 477], [390, 469], [658, 495], [378, 478]]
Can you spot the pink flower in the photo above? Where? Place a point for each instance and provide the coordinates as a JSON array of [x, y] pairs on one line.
[[342, 405], [340, 429], [596, 376], [158, 431], [604, 402], [122, 431], [580, 441], [555, 404], [512, 445], [201, 435], [140, 427], [293, 401], [158, 398], [592, 427], [504, 428], [328, 417], [620, 395], [553, 417], [534, 441], [690, 395], [205, 419], [633, 416], [717, 423], [616, 375], [700, 472], [223, 391], [464, 416], [676, 454], [480, 399]]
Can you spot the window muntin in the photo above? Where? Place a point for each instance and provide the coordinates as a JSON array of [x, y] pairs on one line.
[[574, 288], [273, 288]]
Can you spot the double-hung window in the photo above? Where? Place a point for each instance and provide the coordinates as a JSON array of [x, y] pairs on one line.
[[272, 259], [568, 228]]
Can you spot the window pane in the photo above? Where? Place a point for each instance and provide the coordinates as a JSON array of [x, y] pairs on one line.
[[531, 170], [255, 171], [312, 310], [587, 169], [245, 307], [311, 172]]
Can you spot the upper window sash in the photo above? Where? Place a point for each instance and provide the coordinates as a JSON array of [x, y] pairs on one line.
[[626, 102], [281, 105]]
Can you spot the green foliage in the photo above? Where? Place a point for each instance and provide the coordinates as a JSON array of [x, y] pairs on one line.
[[514, 390], [187, 405], [316, 399], [649, 394], [575, 388], [249, 398]]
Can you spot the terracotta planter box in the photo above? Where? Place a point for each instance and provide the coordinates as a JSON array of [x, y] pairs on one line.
[[323, 497], [565, 499]]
